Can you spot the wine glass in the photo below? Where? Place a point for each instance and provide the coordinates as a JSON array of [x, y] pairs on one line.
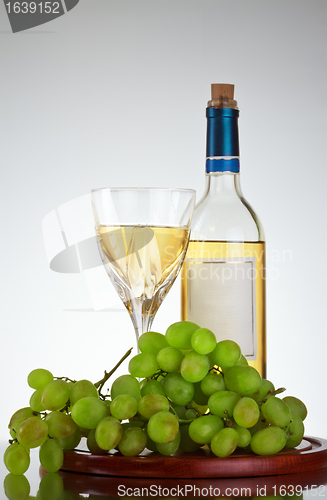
[[142, 236]]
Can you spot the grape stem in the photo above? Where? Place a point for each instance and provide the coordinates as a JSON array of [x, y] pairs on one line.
[[66, 379], [273, 393], [215, 369], [156, 375], [228, 422], [181, 420], [99, 385], [277, 391]]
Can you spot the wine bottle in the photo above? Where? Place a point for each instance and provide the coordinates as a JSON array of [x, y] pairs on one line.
[[223, 275]]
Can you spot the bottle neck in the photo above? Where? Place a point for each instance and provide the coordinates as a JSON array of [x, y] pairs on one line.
[[225, 184], [222, 140]]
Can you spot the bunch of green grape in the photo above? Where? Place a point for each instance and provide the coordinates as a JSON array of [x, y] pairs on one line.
[[184, 390]]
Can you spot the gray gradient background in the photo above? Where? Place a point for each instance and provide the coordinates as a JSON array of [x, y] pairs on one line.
[[114, 93]]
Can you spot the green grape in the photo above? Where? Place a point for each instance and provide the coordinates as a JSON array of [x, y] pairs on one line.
[[224, 442], [244, 436], [263, 390], [177, 389], [51, 455], [82, 389], [268, 441], [276, 412], [126, 384], [222, 403], [55, 395], [123, 407], [199, 397], [180, 410], [179, 334], [60, 425], [12, 433], [296, 406], [16, 487], [35, 401], [151, 404], [108, 433], [151, 387], [194, 366], [32, 432], [246, 412], [20, 415], [71, 442], [152, 342], [17, 459], [258, 427], [191, 414], [245, 380], [203, 341], [39, 378], [133, 442], [150, 444], [296, 428], [203, 429], [187, 444], [242, 360], [163, 427], [226, 354], [133, 423], [51, 487], [143, 365], [169, 448], [92, 445], [88, 412], [169, 359], [84, 431], [212, 383], [17, 424]]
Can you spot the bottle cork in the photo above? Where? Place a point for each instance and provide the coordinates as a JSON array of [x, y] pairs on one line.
[[222, 91], [222, 96]]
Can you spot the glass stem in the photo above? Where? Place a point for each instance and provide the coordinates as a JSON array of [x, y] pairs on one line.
[[142, 320]]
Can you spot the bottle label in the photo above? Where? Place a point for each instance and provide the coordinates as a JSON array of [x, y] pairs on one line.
[[222, 164], [221, 296]]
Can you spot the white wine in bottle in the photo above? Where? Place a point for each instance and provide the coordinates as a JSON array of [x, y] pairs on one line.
[[223, 275]]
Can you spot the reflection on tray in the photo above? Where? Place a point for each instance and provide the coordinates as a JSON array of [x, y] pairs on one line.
[[299, 485]]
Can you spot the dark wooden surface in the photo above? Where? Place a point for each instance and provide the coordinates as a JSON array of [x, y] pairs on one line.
[[309, 456]]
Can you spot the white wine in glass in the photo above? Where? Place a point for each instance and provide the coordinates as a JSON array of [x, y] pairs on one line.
[[142, 237]]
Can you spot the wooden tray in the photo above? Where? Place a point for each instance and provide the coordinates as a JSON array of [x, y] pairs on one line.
[[309, 456]]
